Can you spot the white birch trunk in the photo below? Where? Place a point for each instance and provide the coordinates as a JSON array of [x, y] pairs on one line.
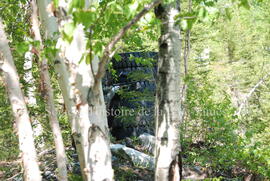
[[28, 77], [31, 99], [83, 95], [168, 96], [50, 26], [25, 132], [91, 129], [87, 116], [49, 98]]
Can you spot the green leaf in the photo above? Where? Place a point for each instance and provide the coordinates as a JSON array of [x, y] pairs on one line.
[[84, 55], [202, 12], [87, 59], [98, 48], [117, 57], [209, 3], [22, 47], [107, 16], [127, 12], [36, 43], [228, 14], [119, 8], [78, 4], [56, 3], [85, 17], [190, 23], [68, 31], [50, 52], [245, 4]]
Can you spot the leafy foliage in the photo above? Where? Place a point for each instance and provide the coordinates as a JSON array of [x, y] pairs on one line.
[[230, 51]]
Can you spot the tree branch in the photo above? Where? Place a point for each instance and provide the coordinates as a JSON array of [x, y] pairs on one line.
[[108, 52], [241, 107]]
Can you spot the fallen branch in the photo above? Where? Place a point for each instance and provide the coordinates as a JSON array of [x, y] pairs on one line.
[[4, 163], [242, 105], [13, 177]]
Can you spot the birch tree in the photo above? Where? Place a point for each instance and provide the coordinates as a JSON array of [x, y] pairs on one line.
[[168, 111], [23, 125], [81, 85], [47, 92], [50, 26], [31, 99]]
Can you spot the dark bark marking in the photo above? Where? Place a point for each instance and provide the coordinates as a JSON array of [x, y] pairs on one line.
[[164, 45], [177, 162], [159, 11], [57, 62]]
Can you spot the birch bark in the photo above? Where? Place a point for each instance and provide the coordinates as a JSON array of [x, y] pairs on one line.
[[31, 100], [49, 98], [50, 26], [82, 91], [23, 125], [168, 96], [88, 117]]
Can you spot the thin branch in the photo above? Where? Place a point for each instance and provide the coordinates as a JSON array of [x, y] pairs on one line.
[[241, 107], [108, 52], [189, 17], [187, 51], [13, 177], [113, 52]]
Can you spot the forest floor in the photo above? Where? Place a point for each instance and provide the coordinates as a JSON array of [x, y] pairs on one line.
[[124, 170]]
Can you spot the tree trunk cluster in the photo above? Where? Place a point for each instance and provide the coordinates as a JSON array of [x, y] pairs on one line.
[[82, 92]]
